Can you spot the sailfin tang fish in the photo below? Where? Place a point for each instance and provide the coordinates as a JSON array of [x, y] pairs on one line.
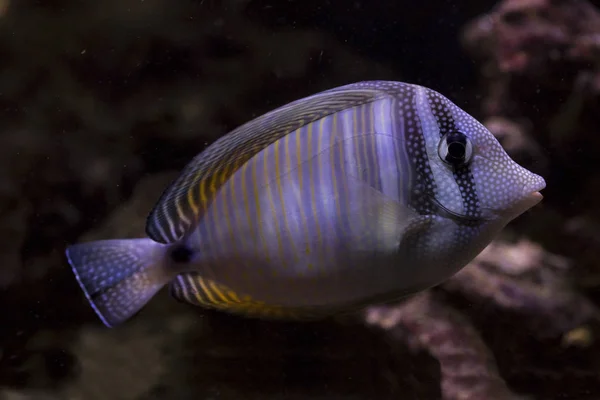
[[357, 195]]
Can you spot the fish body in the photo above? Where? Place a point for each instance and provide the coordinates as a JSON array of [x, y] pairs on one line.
[[360, 194]]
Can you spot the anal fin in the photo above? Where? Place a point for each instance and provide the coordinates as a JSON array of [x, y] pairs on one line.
[[194, 289]]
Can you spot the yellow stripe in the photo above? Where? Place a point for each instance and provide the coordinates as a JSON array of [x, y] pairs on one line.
[[233, 295], [233, 304], [245, 196], [233, 198], [339, 197], [214, 181], [206, 292], [259, 221], [312, 186], [320, 241], [375, 166], [373, 139], [291, 243], [216, 290], [214, 177], [215, 228], [192, 202], [332, 143], [288, 161], [345, 193], [298, 152], [298, 193], [203, 196], [322, 172], [363, 149], [356, 141], [270, 197]]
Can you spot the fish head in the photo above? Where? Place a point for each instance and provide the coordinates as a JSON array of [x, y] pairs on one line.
[[466, 189], [474, 178]]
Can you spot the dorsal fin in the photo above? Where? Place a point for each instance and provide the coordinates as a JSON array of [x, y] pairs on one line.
[[183, 203]]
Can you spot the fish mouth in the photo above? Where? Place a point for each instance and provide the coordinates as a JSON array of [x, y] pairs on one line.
[[531, 192], [535, 196], [530, 197]]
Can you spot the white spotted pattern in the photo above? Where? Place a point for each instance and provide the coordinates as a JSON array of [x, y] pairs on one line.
[[447, 190]]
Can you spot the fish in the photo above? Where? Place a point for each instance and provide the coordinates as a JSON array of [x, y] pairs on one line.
[[358, 195]]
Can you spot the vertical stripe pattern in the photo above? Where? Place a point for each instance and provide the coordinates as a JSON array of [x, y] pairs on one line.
[[303, 208], [183, 203]]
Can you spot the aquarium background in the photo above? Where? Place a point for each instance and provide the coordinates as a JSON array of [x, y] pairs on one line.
[[102, 102]]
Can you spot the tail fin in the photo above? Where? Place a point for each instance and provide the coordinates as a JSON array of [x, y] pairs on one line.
[[119, 276]]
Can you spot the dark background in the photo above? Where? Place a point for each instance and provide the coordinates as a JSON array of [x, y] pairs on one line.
[[101, 102]]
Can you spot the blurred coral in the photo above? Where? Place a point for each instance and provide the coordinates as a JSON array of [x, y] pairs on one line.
[[523, 277], [516, 276], [99, 99], [531, 36], [467, 365]]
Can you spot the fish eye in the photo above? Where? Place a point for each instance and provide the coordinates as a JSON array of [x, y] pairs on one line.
[[455, 149]]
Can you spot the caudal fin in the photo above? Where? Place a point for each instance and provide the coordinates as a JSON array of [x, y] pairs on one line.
[[119, 276]]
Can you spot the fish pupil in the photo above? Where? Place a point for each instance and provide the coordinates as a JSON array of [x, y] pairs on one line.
[[456, 145], [181, 254], [456, 150]]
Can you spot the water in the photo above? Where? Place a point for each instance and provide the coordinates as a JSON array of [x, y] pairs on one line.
[[102, 102]]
